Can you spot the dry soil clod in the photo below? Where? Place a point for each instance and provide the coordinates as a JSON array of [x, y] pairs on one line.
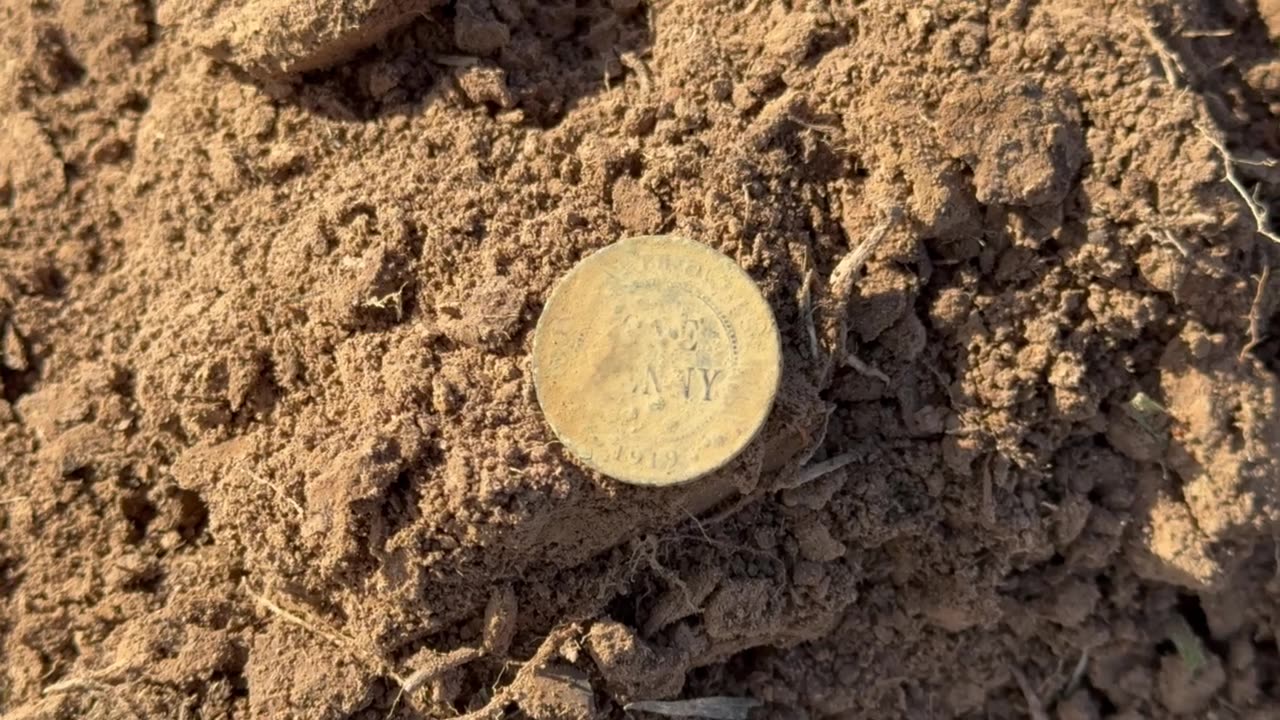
[[500, 621], [279, 39]]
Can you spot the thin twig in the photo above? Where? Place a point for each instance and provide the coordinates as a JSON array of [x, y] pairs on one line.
[[312, 626], [1207, 264], [93, 686], [637, 65], [812, 472], [508, 694], [828, 130], [435, 665], [439, 664], [721, 544], [842, 277], [866, 369], [392, 300], [343, 642], [1261, 215], [1035, 708], [715, 707], [728, 547], [806, 310], [106, 677], [456, 61], [77, 684], [647, 550], [274, 490], [1177, 243], [828, 134], [696, 523], [1264, 162], [840, 284], [1207, 33], [1174, 71], [1077, 675], [1256, 332]]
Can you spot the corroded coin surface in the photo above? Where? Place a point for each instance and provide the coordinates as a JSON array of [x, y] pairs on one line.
[[656, 360]]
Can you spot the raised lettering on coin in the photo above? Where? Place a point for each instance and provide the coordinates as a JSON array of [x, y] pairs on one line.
[[656, 360]]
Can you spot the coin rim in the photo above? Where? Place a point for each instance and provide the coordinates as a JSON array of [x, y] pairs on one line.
[[717, 256]]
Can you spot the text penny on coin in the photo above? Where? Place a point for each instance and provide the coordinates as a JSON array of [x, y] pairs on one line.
[[656, 360]]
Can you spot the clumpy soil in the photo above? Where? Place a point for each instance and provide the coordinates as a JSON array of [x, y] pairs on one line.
[[269, 272]]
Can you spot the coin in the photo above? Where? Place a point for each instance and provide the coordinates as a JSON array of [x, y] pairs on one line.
[[656, 360]]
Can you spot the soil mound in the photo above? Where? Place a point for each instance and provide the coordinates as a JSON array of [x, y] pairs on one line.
[[269, 444]]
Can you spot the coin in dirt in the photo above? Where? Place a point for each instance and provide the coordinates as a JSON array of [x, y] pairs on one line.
[[656, 360]]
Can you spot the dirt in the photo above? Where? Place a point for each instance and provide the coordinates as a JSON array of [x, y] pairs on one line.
[[269, 272]]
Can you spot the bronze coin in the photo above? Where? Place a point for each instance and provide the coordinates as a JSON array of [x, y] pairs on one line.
[[656, 360]]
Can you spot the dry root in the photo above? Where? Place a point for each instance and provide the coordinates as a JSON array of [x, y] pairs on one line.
[[1256, 312], [1035, 708], [511, 693]]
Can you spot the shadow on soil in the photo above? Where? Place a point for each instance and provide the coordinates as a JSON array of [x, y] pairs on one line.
[[556, 52]]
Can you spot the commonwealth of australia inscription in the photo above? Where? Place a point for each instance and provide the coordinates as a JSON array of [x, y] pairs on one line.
[[656, 360]]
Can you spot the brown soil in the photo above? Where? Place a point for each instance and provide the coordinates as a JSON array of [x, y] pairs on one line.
[[269, 446]]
